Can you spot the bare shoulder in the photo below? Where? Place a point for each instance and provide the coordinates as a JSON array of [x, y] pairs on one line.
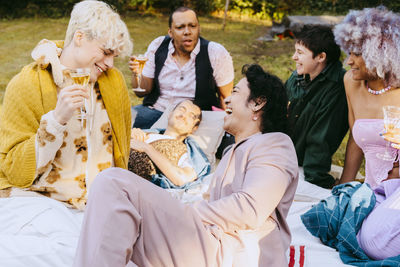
[[351, 86]]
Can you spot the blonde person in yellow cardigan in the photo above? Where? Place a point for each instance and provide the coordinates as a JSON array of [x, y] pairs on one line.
[[45, 147]]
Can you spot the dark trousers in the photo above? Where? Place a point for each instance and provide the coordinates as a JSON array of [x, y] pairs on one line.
[[145, 116]]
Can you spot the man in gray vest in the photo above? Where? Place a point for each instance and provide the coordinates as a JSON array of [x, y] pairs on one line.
[[180, 66]]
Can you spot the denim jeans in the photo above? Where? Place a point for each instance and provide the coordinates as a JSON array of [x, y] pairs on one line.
[[145, 116]]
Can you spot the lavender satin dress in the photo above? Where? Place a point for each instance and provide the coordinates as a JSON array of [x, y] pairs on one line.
[[379, 235], [366, 135]]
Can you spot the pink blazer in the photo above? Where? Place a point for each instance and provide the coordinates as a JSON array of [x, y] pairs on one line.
[[249, 198]]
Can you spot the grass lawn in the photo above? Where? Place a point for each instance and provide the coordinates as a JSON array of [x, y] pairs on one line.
[[19, 37]]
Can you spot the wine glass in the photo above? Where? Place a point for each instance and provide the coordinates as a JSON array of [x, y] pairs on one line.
[[81, 76], [391, 120], [141, 59]]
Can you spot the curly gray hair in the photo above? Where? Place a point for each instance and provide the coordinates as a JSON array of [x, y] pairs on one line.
[[375, 34]]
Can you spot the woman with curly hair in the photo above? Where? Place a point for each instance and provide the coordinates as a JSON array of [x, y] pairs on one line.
[[371, 38], [132, 222]]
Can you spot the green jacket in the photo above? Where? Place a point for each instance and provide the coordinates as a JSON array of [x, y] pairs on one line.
[[317, 113]]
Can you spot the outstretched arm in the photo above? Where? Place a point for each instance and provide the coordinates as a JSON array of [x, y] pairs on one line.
[[354, 155], [223, 71], [352, 162], [177, 175], [145, 82], [224, 92]]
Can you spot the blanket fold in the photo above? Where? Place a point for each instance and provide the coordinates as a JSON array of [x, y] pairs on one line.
[[337, 219]]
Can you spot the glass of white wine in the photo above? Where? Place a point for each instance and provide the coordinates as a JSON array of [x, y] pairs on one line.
[[141, 59], [391, 120], [81, 76]]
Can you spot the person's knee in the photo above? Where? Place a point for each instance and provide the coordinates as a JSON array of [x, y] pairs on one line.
[[376, 238], [374, 246], [111, 179]]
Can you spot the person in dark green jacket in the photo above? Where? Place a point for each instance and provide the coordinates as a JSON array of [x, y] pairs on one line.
[[317, 108]]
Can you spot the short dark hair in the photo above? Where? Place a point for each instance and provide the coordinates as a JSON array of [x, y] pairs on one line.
[[270, 88], [200, 116], [180, 9], [318, 39]]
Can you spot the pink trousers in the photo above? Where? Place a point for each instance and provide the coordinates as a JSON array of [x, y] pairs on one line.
[[131, 222]]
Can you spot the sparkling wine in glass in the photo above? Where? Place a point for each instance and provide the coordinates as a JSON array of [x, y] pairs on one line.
[[141, 59], [81, 76], [391, 120]]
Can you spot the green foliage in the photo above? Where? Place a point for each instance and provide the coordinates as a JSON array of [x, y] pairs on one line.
[[48, 8], [249, 8], [336, 6], [34, 8], [203, 7], [259, 9], [273, 9], [56, 8]]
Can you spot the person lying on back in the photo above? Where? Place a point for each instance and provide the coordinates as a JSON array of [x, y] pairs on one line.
[[170, 158]]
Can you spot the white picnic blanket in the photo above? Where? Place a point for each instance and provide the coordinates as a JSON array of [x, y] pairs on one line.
[[314, 253], [37, 232], [41, 232]]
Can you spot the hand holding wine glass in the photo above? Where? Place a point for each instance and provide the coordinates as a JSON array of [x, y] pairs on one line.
[[391, 119], [81, 76], [136, 65], [69, 100]]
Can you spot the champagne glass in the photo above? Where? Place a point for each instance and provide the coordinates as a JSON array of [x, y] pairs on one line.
[[141, 59], [81, 76], [391, 120]]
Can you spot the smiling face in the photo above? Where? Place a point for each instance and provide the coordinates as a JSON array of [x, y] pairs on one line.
[[358, 69], [184, 118], [184, 31], [306, 63], [239, 110], [92, 54]]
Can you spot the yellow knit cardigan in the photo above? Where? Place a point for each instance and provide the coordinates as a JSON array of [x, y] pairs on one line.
[[31, 94]]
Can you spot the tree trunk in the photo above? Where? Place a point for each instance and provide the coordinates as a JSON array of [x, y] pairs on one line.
[[225, 14]]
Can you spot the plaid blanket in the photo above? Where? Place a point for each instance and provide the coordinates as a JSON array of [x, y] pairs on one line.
[[337, 219]]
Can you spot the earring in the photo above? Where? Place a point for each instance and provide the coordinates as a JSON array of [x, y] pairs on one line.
[[255, 118]]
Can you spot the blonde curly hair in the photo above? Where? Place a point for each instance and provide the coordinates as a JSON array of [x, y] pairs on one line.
[[99, 21], [375, 34]]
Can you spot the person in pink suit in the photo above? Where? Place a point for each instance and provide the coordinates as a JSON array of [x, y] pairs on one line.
[[241, 221]]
